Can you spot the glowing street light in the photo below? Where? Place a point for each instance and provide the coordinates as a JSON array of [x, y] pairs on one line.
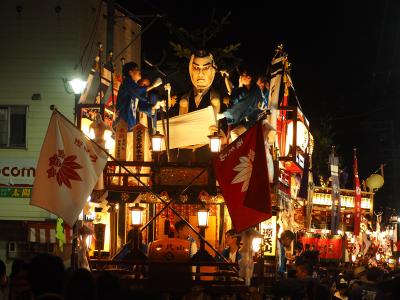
[[156, 141], [77, 85], [202, 217], [215, 142]]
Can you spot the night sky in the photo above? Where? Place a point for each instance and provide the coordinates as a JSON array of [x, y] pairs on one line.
[[345, 59]]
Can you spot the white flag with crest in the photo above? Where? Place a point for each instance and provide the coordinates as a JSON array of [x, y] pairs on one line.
[[68, 168]]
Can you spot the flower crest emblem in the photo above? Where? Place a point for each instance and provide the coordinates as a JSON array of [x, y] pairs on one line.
[[63, 168], [245, 168]]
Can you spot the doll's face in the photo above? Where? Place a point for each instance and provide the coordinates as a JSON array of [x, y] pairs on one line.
[[202, 71]]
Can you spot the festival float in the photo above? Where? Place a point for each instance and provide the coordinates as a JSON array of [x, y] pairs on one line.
[[145, 175], [172, 161]]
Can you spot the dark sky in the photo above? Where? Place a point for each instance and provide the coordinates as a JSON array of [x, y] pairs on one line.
[[345, 59]]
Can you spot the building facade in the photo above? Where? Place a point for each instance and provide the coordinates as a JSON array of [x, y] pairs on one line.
[[45, 44]]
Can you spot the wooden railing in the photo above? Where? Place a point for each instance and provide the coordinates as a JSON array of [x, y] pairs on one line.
[[170, 177], [167, 276]]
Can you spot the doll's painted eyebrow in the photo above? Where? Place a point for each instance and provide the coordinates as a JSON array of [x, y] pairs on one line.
[[209, 63]]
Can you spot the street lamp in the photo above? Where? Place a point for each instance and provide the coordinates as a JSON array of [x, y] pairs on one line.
[[215, 142], [78, 86], [136, 215], [156, 141], [136, 223], [202, 222], [202, 218]]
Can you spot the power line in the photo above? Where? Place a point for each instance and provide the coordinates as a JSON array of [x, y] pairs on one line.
[[90, 41]]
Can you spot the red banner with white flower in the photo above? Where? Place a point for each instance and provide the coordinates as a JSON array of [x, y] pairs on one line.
[[242, 173], [68, 168]]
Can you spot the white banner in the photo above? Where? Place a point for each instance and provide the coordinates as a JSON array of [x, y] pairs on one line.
[[68, 169], [189, 129]]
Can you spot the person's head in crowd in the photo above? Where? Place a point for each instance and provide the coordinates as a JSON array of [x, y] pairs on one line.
[[298, 248], [129, 294], [303, 270], [360, 273], [263, 82], [232, 239], [182, 230], [246, 77], [46, 274], [81, 286], [108, 285], [342, 287], [18, 266], [287, 237], [374, 274], [131, 70]]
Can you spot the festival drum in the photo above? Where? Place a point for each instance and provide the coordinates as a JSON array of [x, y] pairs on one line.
[[161, 253], [169, 249]]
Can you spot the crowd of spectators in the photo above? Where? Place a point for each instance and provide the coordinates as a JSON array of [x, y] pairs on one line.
[[46, 278]]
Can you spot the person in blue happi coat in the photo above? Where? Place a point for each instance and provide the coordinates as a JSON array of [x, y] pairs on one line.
[[133, 98]]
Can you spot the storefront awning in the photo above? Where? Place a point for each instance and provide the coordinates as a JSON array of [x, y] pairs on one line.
[[45, 232]]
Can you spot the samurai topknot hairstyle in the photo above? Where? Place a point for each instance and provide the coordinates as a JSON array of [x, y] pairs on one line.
[[201, 53]]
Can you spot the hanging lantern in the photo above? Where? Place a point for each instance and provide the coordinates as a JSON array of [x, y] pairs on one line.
[[202, 217], [256, 244], [156, 141], [136, 215], [374, 182], [215, 142], [302, 136], [294, 140]]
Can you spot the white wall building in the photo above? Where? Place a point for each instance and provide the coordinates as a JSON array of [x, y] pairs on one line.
[[43, 42]]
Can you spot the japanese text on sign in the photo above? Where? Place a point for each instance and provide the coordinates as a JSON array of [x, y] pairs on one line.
[[268, 230]]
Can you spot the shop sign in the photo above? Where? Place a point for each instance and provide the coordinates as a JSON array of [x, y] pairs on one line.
[[17, 171], [268, 230], [17, 192]]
